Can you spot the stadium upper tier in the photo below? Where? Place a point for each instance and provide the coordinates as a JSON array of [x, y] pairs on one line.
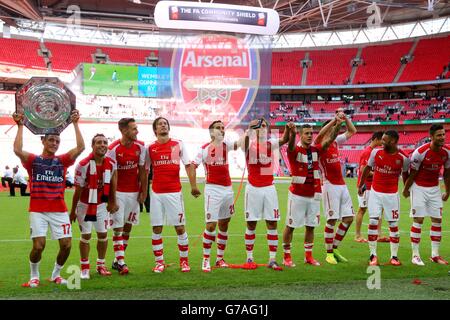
[[428, 59]]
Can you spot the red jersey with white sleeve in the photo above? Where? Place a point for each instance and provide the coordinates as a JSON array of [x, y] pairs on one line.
[[47, 182], [82, 179], [429, 163], [128, 160], [165, 160], [305, 189], [260, 162], [215, 161], [363, 159], [330, 162], [386, 169]]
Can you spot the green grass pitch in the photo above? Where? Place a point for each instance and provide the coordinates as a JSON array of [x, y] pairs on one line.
[[102, 84], [342, 281]]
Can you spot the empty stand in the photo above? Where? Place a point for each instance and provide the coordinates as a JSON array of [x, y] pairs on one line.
[[381, 63], [286, 68], [429, 58], [330, 66], [21, 53]]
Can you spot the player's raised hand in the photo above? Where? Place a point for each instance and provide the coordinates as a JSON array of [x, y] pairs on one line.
[[406, 193], [291, 126], [75, 116], [18, 118], [195, 192], [445, 196]]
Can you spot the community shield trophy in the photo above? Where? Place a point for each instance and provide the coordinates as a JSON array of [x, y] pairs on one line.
[[46, 103]]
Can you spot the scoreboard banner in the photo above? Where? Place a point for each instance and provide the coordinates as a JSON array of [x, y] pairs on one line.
[[216, 17]]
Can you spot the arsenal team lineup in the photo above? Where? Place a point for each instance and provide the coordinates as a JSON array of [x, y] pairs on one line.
[[112, 182]]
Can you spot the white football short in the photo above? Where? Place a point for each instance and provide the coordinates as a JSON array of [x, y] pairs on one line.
[[261, 203], [59, 223], [129, 210], [167, 209], [302, 211], [101, 225], [337, 202], [364, 200], [218, 202], [390, 202], [426, 202]]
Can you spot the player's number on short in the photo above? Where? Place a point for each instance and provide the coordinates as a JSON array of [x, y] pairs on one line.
[[132, 217], [232, 209], [394, 214], [180, 215], [66, 228], [276, 213]]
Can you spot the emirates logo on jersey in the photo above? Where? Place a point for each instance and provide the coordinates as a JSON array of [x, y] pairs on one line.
[[216, 73]]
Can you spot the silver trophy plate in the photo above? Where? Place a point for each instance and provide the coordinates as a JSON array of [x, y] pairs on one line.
[[46, 104]]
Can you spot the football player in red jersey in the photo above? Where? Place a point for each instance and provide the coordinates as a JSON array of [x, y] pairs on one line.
[[426, 198], [166, 201], [387, 165], [337, 202], [47, 174], [129, 154]]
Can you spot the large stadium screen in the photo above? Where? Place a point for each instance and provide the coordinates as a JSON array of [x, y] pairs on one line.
[[119, 80]]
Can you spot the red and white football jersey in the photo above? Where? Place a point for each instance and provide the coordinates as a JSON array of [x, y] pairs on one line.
[[82, 179], [386, 169], [165, 159], [260, 162], [215, 161], [128, 160], [429, 163], [330, 162]]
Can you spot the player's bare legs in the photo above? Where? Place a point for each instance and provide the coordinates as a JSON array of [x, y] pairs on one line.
[[288, 234], [249, 244], [183, 247], [158, 249], [272, 240], [309, 243]]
